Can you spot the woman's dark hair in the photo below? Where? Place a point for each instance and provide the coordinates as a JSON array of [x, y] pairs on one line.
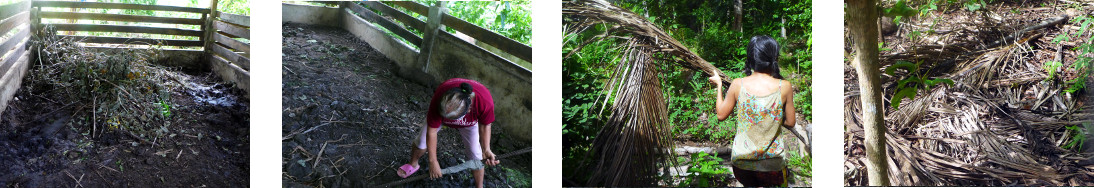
[[462, 93], [763, 56]]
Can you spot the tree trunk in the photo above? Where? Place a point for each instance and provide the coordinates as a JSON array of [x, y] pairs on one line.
[[862, 22], [737, 16]]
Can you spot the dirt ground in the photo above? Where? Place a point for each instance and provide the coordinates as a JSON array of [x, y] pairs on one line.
[[348, 121], [207, 145]]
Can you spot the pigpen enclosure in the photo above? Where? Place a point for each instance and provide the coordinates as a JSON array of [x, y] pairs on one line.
[[123, 95], [358, 78]]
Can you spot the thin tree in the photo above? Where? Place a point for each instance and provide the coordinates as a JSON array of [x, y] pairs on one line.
[[862, 21]]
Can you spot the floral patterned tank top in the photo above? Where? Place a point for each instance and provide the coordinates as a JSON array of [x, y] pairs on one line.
[[759, 118]]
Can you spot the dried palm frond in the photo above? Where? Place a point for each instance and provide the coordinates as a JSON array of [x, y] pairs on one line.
[[631, 147]]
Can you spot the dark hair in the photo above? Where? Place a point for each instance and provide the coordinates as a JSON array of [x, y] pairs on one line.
[[763, 56], [462, 93]]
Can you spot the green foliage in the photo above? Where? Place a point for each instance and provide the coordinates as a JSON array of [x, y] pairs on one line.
[[803, 164], [1086, 49], [1051, 67], [512, 19], [691, 104], [910, 86], [164, 108], [1078, 136], [241, 7], [705, 170]]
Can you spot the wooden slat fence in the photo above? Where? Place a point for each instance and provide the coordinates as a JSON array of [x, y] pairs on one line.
[[14, 57], [39, 14], [231, 48], [370, 9]]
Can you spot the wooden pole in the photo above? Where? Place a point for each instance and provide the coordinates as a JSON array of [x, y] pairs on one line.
[[433, 26], [862, 23], [208, 28]]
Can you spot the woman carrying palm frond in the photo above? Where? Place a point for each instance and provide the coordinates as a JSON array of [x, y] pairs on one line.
[[763, 101]]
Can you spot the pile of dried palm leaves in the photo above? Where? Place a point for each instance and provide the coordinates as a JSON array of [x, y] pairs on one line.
[[631, 147], [106, 90], [1002, 123]]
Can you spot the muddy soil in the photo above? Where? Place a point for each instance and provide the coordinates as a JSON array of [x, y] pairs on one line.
[[207, 143], [349, 121]]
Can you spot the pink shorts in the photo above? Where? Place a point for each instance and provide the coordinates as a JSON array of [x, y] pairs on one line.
[[470, 139]]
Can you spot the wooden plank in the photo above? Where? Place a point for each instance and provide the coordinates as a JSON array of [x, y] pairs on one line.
[[15, 39], [412, 6], [119, 17], [98, 5], [234, 30], [231, 73], [12, 22], [390, 26], [388, 11], [245, 21], [135, 41], [232, 43], [15, 8], [125, 29], [232, 56], [15, 55], [489, 37], [11, 81]]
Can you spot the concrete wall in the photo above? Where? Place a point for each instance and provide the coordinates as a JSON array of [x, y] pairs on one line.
[[308, 14], [509, 84]]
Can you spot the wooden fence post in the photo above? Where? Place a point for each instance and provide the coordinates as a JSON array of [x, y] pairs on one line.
[[433, 25], [208, 29]]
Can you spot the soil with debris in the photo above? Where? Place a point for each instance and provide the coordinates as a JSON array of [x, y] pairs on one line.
[[349, 121], [206, 145], [1004, 121]]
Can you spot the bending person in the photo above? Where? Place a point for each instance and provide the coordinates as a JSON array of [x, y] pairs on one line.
[[462, 104]]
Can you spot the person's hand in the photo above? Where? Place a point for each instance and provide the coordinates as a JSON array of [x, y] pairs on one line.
[[489, 158], [716, 80], [434, 171]]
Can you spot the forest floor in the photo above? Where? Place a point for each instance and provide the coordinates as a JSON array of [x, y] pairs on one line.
[[1006, 121], [208, 143], [349, 121]]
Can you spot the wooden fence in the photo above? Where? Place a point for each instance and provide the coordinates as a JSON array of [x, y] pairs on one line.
[[14, 56], [230, 56], [38, 15], [227, 49], [496, 40], [224, 37]]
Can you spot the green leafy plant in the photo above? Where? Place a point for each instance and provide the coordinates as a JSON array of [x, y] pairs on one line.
[[704, 170], [910, 86], [164, 108], [1078, 136], [1083, 61], [803, 164]]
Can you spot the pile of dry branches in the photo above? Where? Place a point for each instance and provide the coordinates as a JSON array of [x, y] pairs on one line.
[[1002, 123], [105, 90]]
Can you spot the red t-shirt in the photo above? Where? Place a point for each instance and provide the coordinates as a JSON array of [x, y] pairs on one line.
[[482, 106]]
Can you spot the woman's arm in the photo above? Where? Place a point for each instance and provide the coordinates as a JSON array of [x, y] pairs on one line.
[[431, 147], [789, 112], [723, 105], [484, 142]]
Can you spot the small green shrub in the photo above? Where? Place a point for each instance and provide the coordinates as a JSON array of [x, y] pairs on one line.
[[910, 86], [705, 170]]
